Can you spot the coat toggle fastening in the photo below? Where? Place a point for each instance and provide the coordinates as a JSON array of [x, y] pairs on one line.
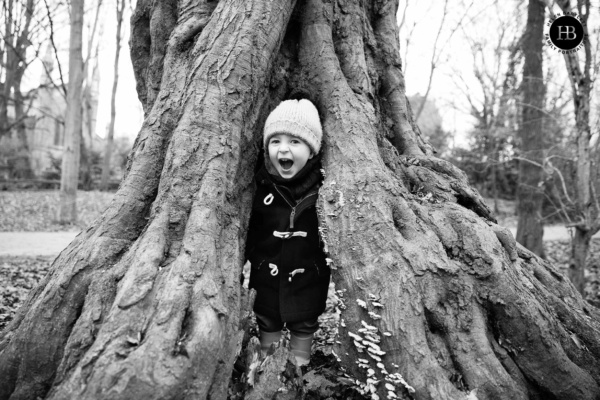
[[287, 235], [294, 272], [268, 199]]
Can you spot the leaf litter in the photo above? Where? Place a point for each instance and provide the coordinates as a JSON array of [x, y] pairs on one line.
[[35, 211], [18, 275]]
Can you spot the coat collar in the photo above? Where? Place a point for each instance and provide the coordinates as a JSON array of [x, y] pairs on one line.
[[298, 186]]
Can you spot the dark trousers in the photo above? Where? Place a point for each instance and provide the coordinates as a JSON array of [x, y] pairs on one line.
[[302, 328]]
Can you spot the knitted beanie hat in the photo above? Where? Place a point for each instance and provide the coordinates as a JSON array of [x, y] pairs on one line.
[[298, 118]]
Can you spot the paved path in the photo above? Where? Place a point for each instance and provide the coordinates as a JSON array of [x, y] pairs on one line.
[[34, 243], [555, 233], [52, 243]]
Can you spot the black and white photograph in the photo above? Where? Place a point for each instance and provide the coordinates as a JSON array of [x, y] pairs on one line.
[[299, 200]]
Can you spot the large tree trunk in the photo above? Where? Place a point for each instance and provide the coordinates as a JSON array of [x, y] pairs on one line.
[[69, 177], [146, 303], [530, 192]]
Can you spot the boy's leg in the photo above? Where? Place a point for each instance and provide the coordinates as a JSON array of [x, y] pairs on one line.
[[301, 335], [269, 330]]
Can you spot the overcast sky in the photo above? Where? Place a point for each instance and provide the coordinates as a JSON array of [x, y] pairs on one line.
[[466, 21]]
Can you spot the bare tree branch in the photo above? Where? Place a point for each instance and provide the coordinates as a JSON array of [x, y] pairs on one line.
[[62, 80], [435, 57]]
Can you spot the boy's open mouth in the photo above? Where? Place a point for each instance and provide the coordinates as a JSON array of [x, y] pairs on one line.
[[286, 163]]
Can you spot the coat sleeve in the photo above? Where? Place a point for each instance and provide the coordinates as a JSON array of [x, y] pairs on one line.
[[251, 234], [250, 238]]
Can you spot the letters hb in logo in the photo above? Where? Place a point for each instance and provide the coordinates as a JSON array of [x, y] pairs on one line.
[[566, 32]]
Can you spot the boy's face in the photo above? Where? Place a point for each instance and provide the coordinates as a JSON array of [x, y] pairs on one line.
[[288, 154]]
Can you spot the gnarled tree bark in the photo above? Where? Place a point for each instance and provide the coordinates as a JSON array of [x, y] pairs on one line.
[[146, 302]]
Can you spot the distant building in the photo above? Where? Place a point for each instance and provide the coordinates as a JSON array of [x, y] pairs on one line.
[[45, 127]]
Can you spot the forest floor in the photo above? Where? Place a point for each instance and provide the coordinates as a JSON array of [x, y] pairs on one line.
[[30, 239]]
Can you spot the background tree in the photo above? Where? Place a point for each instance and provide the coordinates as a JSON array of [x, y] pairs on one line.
[[28, 27], [89, 93], [120, 10], [533, 138], [146, 303], [585, 202], [69, 177], [492, 102], [19, 30]]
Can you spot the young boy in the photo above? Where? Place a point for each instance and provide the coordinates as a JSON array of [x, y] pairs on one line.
[[288, 267]]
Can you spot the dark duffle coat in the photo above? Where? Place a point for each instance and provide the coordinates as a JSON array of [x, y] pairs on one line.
[[288, 267]]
